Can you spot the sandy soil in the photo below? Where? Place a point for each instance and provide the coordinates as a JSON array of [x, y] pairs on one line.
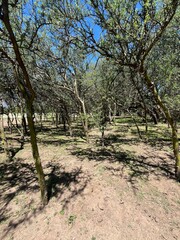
[[123, 191]]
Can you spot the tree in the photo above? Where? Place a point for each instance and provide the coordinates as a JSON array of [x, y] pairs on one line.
[[25, 87], [130, 30]]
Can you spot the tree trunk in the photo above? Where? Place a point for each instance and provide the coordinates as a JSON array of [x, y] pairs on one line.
[[114, 113], [40, 118], [9, 123], [52, 117], [170, 120], [84, 118], [85, 121], [16, 119], [70, 128], [135, 122], [145, 118], [64, 121], [24, 125], [68, 120], [35, 152], [102, 136], [57, 119], [28, 94], [4, 139]]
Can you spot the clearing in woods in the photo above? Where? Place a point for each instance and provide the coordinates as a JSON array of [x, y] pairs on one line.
[[124, 190]]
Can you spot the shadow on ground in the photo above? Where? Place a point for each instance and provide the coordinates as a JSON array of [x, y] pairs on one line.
[[19, 178], [136, 167]]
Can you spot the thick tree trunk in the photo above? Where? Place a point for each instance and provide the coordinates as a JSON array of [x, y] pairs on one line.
[[170, 120], [35, 152]]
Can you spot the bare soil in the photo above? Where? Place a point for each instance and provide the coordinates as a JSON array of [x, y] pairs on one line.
[[125, 190]]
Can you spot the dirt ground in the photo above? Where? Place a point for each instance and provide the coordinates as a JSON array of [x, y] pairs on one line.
[[125, 190]]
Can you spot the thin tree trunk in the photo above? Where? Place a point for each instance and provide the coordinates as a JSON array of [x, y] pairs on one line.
[[68, 120], [114, 113], [170, 120], [52, 117], [35, 152], [4, 139], [16, 119], [85, 121], [57, 119], [9, 123], [41, 120], [102, 136], [135, 122], [142, 99], [28, 94], [63, 121], [84, 118], [24, 125], [145, 118]]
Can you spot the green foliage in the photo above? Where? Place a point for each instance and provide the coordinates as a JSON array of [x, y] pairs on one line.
[[62, 212], [71, 219], [93, 238], [93, 54]]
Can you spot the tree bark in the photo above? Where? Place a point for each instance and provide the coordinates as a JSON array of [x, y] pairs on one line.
[[35, 152], [170, 120], [85, 121], [135, 122], [84, 118], [3, 136], [28, 94]]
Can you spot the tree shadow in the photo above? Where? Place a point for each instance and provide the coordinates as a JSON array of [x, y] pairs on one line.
[[59, 131], [18, 178], [59, 180], [15, 150], [15, 177], [51, 130], [160, 143], [130, 166], [56, 142], [120, 139]]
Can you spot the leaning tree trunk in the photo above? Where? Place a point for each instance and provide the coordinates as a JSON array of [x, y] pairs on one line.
[[170, 120], [28, 94], [35, 151]]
